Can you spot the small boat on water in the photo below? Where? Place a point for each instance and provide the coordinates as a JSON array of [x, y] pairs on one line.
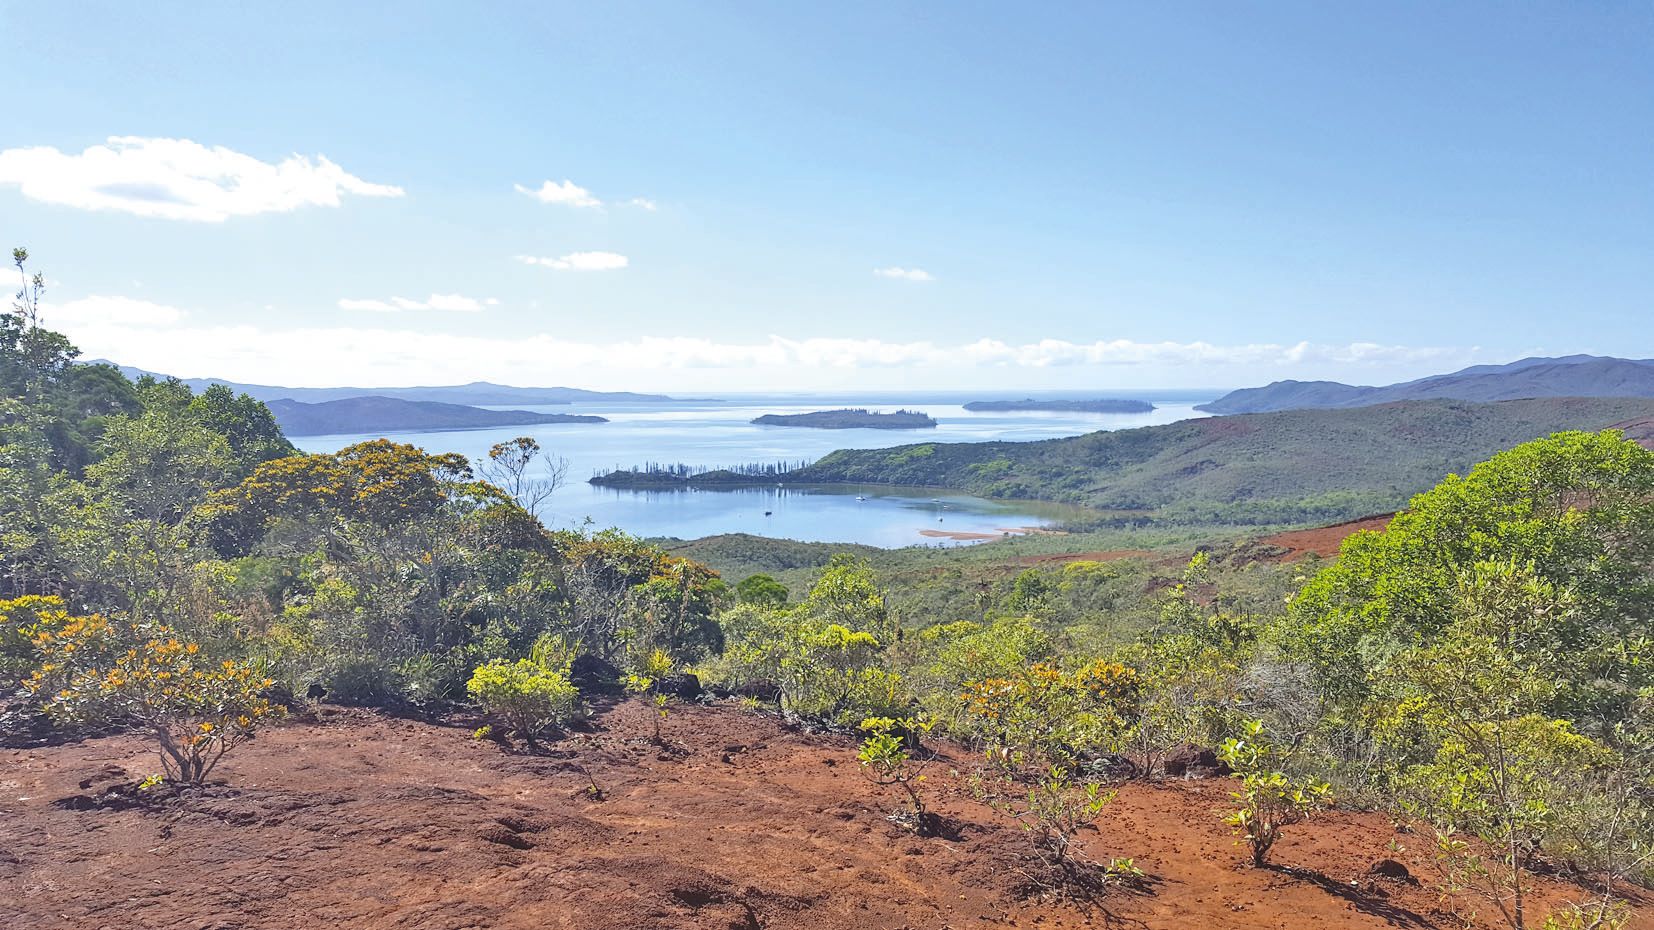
[[860, 497]]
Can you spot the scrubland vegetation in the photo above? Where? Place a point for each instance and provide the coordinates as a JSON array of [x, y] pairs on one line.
[[1481, 669]]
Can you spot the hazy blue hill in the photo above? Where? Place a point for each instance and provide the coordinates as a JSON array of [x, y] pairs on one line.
[[1285, 467], [849, 419], [1066, 406], [481, 393], [393, 414], [1569, 376]]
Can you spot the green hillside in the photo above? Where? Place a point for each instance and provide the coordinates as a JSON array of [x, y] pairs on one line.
[[1268, 468]]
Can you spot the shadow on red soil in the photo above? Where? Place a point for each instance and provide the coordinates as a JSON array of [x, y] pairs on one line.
[[354, 819]]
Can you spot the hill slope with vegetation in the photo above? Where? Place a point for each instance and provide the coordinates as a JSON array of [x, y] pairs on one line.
[[1569, 376], [1290, 467], [393, 414]]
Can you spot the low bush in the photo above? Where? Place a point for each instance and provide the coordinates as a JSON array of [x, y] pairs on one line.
[[1269, 799], [196, 706], [526, 696], [887, 760]]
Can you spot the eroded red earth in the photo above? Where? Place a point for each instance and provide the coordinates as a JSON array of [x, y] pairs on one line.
[[359, 820]]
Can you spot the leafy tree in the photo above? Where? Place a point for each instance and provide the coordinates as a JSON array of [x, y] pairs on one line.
[[1578, 507], [95, 671], [1476, 752], [1041, 729], [847, 595], [946, 659], [837, 674], [246, 424], [763, 591]]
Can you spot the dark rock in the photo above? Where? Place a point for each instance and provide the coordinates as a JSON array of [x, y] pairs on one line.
[[685, 687], [595, 675], [1193, 762], [1393, 870], [278, 693]]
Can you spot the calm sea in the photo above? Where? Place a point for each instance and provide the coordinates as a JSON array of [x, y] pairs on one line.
[[717, 433]]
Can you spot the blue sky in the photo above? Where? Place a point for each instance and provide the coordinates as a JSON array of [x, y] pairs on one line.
[[1058, 196]]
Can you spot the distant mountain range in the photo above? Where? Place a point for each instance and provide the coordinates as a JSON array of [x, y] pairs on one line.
[[477, 392], [1569, 376], [374, 414]]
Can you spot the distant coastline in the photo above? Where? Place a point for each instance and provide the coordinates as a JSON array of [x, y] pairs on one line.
[[1105, 405], [394, 415]]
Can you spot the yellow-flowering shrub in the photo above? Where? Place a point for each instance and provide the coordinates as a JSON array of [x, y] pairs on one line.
[[1046, 715], [93, 670], [1042, 727]]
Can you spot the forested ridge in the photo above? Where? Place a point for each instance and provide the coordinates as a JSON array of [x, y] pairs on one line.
[[1297, 466]]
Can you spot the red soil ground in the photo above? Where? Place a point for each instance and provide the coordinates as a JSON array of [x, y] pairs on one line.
[[1324, 540], [358, 820], [1640, 431]]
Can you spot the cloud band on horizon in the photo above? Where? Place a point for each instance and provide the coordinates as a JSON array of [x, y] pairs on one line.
[[321, 356]]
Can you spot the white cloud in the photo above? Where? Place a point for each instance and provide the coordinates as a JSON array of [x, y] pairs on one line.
[[108, 311], [453, 302], [643, 203], [177, 179], [567, 193], [580, 261], [320, 356], [904, 274]]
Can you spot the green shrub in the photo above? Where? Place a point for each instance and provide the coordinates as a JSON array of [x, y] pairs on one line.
[[886, 759], [763, 591], [1044, 728], [1269, 799], [526, 696], [366, 680]]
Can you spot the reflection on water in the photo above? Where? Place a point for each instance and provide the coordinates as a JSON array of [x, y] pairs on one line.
[[874, 516], [718, 434]]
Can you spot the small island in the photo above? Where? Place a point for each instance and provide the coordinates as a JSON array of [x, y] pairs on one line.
[[858, 418], [1063, 406]]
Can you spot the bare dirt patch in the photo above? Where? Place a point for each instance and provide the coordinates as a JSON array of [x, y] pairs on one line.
[[1324, 540], [361, 820]]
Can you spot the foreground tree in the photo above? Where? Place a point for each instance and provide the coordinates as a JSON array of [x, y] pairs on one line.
[[511, 466], [94, 671], [1270, 798]]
